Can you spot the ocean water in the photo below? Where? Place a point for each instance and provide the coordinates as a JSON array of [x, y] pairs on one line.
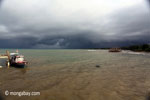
[[73, 75]]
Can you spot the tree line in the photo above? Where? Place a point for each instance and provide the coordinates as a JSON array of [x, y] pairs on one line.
[[139, 48]]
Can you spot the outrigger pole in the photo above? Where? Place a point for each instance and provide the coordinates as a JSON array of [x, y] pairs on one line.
[[8, 61]]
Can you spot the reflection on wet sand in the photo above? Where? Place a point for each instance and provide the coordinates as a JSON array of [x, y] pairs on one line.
[[24, 70], [120, 77]]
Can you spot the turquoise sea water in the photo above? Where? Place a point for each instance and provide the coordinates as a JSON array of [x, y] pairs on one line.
[[73, 75]]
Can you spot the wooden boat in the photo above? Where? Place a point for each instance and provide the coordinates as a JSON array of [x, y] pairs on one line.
[[115, 50], [16, 60]]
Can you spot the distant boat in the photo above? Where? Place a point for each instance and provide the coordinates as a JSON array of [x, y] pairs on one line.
[[115, 50]]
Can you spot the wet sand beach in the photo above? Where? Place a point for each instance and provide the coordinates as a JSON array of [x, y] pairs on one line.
[[73, 75]]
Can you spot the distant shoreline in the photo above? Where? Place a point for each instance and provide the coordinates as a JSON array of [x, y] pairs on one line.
[[134, 48], [138, 48]]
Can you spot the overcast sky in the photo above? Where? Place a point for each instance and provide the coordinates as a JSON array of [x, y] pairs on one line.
[[73, 23]]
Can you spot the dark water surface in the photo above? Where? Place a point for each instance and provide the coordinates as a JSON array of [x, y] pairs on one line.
[[73, 75]]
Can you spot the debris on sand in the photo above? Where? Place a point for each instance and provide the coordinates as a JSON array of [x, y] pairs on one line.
[[98, 66]]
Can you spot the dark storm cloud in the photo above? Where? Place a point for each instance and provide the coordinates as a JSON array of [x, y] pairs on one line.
[[81, 41], [18, 42], [148, 2], [0, 2], [72, 41], [33, 28]]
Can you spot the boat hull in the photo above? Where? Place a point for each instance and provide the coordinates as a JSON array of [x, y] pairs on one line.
[[19, 65]]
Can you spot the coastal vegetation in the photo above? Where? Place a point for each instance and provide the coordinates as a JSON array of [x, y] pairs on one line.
[[138, 48]]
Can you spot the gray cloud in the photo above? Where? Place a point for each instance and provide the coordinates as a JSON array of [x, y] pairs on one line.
[[38, 25]]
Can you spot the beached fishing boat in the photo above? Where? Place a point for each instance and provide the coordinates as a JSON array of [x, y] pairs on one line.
[[115, 50], [16, 60]]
